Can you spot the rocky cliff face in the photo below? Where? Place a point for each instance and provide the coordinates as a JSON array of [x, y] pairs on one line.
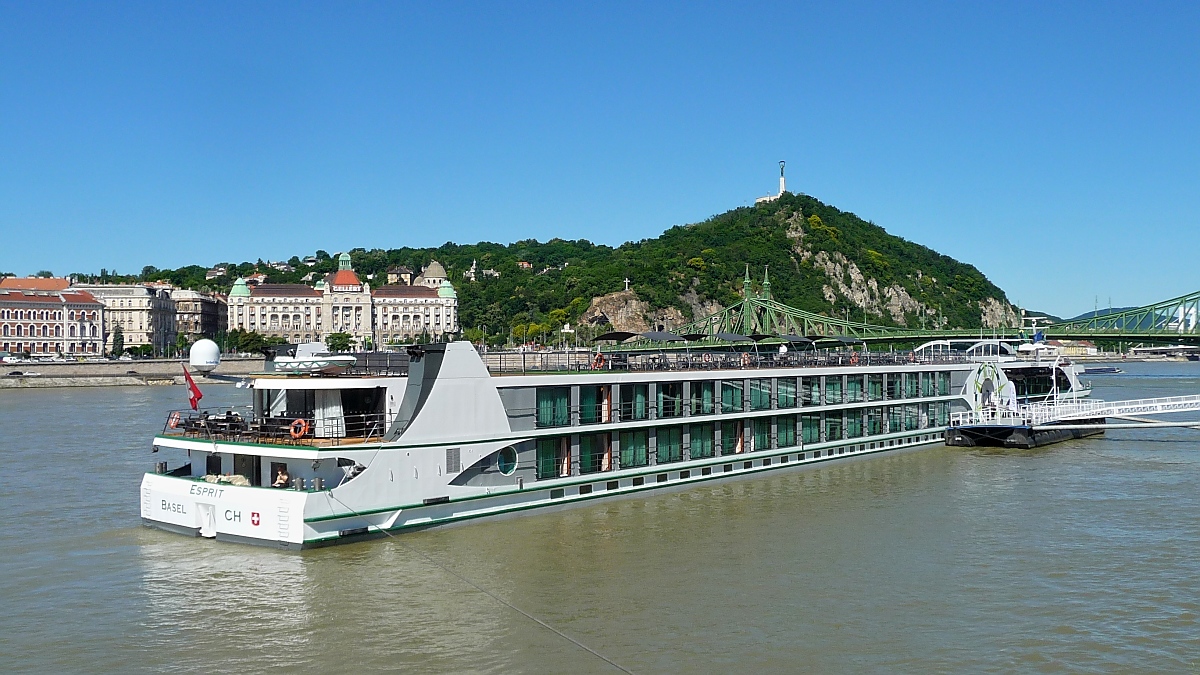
[[626, 312]]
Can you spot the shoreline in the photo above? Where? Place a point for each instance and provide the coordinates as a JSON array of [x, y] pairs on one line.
[[140, 373]]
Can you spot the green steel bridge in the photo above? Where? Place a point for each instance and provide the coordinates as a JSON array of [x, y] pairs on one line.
[[1173, 321]]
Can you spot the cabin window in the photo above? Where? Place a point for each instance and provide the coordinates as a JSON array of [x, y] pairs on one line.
[[911, 419], [810, 428], [595, 453], [911, 385], [595, 405], [927, 384], [875, 387], [854, 389], [785, 431], [943, 413], [731, 437], [761, 439], [895, 386], [669, 444], [833, 426], [810, 390], [635, 404], [635, 446], [506, 460], [785, 392], [854, 424], [895, 419], [833, 389], [731, 396], [212, 465], [760, 394], [670, 399], [703, 402], [874, 421], [553, 406], [701, 441], [553, 457], [943, 383]]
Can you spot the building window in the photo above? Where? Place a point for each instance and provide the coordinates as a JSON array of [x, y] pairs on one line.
[[595, 404], [810, 428], [810, 390], [833, 389]]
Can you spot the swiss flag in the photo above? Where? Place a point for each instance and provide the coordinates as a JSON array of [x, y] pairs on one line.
[[194, 394]]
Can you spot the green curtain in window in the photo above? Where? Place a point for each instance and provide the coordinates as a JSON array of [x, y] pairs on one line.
[[875, 387], [874, 422], [762, 434], [810, 426], [786, 396], [702, 398], [760, 394], [943, 384], [670, 399], [731, 433], [635, 448], [833, 389], [731, 396], [552, 406], [669, 442], [701, 441], [854, 423], [785, 431], [589, 405], [593, 451], [833, 426], [854, 389], [547, 457]]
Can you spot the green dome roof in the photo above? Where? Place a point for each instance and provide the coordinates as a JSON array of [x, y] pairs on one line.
[[240, 289], [446, 290]]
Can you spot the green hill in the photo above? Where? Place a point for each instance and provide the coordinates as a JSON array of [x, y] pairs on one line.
[[820, 259]]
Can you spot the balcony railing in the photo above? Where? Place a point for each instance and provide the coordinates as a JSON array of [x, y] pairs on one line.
[[286, 429]]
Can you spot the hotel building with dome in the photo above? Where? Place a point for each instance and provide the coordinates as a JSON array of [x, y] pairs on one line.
[[343, 303]]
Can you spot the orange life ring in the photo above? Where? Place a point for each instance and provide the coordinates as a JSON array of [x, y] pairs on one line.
[[745, 359], [298, 428], [598, 362], [173, 420], [854, 358]]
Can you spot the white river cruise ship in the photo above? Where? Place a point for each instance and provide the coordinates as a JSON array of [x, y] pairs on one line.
[[323, 459]]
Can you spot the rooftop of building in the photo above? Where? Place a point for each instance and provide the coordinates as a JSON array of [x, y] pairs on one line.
[[284, 291], [404, 292], [35, 283]]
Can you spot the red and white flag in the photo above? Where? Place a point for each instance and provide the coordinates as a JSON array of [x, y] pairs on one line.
[[194, 394]]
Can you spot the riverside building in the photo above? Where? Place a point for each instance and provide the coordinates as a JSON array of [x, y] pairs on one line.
[[50, 322], [344, 303], [145, 313]]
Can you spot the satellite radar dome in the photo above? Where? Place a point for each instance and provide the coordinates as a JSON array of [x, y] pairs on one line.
[[205, 356]]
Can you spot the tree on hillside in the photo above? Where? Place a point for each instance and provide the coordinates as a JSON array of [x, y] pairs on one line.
[[338, 342], [45, 274]]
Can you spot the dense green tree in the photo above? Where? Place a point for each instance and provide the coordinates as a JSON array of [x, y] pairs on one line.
[[118, 340], [338, 342]]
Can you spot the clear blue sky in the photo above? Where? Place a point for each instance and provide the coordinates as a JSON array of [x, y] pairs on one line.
[[1052, 145]]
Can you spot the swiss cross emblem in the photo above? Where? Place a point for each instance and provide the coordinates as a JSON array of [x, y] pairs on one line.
[[254, 518]]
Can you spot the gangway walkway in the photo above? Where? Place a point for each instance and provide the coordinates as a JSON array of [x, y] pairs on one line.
[[1039, 414]]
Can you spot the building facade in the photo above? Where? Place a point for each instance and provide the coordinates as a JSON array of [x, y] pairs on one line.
[[146, 314], [198, 314], [50, 323], [343, 303]]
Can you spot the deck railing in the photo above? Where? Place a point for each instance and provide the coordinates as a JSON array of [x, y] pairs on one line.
[[501, 362], [313, 430]]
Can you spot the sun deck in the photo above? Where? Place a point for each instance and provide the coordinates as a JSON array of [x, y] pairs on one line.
[[310, 430]]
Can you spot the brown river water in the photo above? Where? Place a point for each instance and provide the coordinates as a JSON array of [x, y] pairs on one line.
[[1079, 557]]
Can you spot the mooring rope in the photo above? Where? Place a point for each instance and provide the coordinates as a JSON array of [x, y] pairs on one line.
[[488, 593]]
